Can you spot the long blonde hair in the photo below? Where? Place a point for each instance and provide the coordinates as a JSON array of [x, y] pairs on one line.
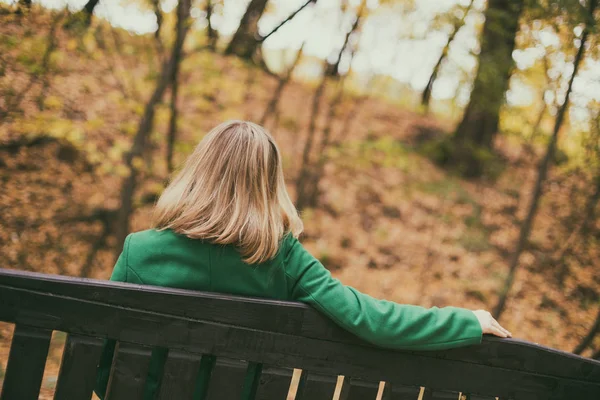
[[231, 190]]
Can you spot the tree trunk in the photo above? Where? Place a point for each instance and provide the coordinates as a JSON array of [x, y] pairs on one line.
[[426, 96], [159, 19], [542, 173], [88, 11], [305, 168], [245, 40], [212, 34], [480, 121], [312, 191], [145, 126], [333, 70], [172, 135], [283, 81], [587, 340]]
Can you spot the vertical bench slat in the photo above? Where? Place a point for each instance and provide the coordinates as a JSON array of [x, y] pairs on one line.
[[400, 392], [429, 394], [227, 379], [274, 383], [77, 374], [128, 372], [316, 386], [179, 375], [26, 363], [356, 389]]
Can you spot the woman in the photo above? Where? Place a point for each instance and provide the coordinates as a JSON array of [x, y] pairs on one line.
[[226, 224]]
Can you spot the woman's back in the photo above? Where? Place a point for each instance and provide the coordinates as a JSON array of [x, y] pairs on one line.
[[165, 258]]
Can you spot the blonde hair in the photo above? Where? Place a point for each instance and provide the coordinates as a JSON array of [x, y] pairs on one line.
[[231, 190]]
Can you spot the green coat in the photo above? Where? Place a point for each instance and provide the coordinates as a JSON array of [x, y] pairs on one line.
[[164, 258]]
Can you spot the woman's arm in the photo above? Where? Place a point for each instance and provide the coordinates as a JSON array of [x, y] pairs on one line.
[[380, 322]]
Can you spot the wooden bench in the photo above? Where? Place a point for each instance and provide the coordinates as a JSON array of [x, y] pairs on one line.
[[252, 345]]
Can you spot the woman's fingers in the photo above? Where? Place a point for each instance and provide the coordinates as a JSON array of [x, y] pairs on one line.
[[502, 329], [498, 331], [490, 325]]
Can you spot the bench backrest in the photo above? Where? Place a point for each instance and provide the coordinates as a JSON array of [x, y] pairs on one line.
[[251, 346]]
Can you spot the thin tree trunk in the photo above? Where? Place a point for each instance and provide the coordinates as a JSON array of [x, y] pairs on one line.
[[145, 126], [587, 340], [480, 121], [271, 108], [313, 186], [305, 168], [87, 12], [426, 95], [542, 173], [245, 40], [334, 69], [285, 21], [212, 34], [172, 135], [46, 61], [159, 24]]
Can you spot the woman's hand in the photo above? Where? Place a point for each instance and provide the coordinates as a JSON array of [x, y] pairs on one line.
[[490, 325]]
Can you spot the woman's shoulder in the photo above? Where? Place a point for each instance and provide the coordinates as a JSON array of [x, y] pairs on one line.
[[151, 239]]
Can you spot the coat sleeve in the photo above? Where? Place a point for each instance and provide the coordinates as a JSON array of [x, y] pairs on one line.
[[380, 322]]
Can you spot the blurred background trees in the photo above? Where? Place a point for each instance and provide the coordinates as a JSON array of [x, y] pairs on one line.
[[453, 144]]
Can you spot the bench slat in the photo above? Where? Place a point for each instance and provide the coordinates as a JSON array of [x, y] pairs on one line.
[[356, 389], [77, 375], [227, 379], [429, 394], [128, 372], [26, 363], [315, 386], [400, 392], [179, 375], [274, 383]]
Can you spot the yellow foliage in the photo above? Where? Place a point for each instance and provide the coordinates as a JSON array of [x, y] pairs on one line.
[[138, 163], [72, 44], [53, 103], [115, 153], [122, 171]]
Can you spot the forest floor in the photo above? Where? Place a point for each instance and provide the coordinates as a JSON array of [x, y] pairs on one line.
[[390, 222]]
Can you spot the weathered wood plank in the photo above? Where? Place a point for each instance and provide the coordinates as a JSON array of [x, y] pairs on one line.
[[400, 392], [77, 375], [476, 397], [294, 319], [314, 386], [179, 376], [227, 379], [274, 383], [26, 363], [520, 369], [276, 349], [128, 372], [356, 389], [429, 394]]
